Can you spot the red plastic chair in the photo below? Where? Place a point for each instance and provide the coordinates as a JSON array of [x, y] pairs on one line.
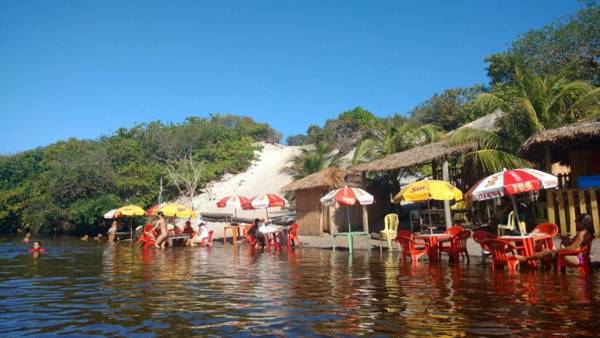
[[458, 246], [454, 230], [147, 239], [293, 236], [585, 267], [479, 236], [550, 230], [410, 247], [499, 249], [207, 241]]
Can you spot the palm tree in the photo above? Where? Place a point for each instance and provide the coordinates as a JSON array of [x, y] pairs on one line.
[[383, 141], [545, 102], [312, 160], [534, 104]]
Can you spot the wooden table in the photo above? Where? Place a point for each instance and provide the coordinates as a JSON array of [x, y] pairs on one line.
[[350, 236], [235, 233], [172, 238], [528, 248], [432, 240]]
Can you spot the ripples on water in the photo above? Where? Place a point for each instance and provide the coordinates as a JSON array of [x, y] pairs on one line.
[[88, 288]]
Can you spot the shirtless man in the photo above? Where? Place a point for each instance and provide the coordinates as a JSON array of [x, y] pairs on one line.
[[162, 225]]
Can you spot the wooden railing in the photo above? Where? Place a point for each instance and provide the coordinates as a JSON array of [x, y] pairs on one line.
[[563, 206]]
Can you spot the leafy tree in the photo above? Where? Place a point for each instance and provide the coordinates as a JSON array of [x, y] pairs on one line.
[[570, 42], [449, 109]]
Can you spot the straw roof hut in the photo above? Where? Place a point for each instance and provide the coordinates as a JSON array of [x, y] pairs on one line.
[[330, 178], [312, 217], [415, 157], [577, 147], [560, 141]]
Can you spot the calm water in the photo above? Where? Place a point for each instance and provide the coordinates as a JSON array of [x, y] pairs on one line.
[[87, 288]]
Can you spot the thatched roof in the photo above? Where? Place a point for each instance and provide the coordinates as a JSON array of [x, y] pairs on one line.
[[430, 152], [330, 178], [487, 122], [414, 157], [572, 136]]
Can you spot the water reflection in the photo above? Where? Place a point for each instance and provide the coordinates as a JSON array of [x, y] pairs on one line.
[[94, 289]]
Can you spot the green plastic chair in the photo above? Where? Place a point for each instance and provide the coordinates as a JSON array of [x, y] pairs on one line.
[[390, 230]]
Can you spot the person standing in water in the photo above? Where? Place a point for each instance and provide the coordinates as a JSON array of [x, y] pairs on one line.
[[37, 247], [112, 232], [27, 237], [162, 225]]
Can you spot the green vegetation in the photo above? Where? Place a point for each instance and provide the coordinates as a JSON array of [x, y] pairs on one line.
[[67, 186], [544, 80]]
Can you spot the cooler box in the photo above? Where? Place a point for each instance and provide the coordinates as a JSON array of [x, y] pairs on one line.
[[587, 182]]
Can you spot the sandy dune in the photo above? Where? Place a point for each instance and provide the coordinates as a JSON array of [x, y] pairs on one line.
[[263, 176]]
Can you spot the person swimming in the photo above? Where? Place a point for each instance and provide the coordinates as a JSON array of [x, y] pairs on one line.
[[37, 247], [27, 237], [85, 237]]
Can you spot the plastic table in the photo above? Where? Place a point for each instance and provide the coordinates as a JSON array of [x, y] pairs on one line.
[[528, 248], [350, 236], [432, 240]]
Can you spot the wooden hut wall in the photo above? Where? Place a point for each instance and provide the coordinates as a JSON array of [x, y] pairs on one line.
[[309, 212], [341, 215], [380, 208]]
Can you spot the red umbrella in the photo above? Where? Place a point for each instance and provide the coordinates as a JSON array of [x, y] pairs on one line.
[[510, 183], [236, 202], [347, 196], [269, 201]]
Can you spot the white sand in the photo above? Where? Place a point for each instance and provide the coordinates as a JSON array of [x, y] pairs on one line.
[[263, 176]]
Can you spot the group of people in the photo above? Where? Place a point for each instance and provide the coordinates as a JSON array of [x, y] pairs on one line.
[[158, 232], [261, 229]]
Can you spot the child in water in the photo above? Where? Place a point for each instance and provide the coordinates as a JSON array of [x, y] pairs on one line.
[[37, 247]]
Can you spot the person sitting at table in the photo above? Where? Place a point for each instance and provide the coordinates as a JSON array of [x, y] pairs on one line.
[[199, 236], [255, 232], [584, 236], [189, 231]]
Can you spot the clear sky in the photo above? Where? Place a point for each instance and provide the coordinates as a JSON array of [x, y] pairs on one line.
[[85, 68]]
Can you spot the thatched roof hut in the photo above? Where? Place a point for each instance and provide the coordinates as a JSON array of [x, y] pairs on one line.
[[330, 178], [312, 217], [570, 137], [415, 156]]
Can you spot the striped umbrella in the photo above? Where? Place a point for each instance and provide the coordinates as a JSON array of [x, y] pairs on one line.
[[268, 201], [347, 196], [235, 202], [511, 183]]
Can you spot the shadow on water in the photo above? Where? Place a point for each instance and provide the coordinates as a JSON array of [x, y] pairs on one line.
[[90, 288]]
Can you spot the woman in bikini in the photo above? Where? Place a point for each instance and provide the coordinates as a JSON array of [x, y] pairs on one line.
[[583, 237]]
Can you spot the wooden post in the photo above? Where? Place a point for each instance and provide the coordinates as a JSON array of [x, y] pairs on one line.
[[562, 218], [447, 213], [582, 206], [321, 219], [571, 206], [594, 212], [549, 195], [365, 218]]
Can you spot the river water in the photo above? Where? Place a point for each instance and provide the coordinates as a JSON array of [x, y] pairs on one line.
[[89, 288]]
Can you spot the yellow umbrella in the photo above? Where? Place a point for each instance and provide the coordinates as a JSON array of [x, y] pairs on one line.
[[176, 210], [426, 190], [429, 190], [129, 211]]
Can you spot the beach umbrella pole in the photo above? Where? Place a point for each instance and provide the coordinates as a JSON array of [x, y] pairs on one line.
[[515, 208], [348, 216], [429, 212]]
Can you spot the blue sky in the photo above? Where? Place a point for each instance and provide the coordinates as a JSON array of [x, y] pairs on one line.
[[85, 68]]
